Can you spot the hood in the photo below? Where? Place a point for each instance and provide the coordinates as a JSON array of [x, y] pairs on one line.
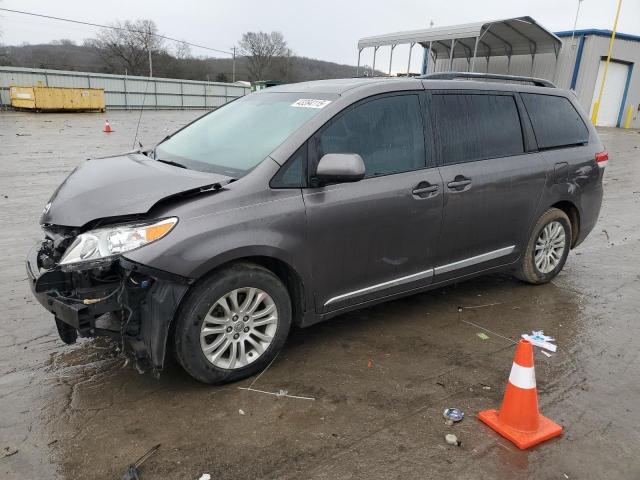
[[117, 186]]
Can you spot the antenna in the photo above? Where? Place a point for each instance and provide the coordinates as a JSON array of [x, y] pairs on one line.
[[144, 96]]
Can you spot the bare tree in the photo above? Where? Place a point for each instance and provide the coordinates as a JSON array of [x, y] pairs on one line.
[[182, 50], [129, 45], [260, 49]]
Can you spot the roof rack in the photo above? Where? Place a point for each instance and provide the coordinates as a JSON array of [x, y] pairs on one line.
[[538, 82]]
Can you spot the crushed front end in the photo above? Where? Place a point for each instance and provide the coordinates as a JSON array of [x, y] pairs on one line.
[[112, 296]]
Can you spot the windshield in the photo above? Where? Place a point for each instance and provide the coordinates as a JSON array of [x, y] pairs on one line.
[[235, 138]]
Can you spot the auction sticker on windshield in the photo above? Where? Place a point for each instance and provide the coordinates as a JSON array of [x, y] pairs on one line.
[[310, 103]]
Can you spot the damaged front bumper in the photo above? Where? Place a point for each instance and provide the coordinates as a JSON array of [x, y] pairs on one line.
[[122, 299]]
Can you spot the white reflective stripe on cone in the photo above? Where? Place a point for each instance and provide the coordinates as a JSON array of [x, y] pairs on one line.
[[522, 377]]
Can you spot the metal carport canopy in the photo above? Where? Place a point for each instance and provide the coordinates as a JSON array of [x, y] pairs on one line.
[[512, 36]]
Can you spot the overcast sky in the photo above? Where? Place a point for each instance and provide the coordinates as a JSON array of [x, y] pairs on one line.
[[325, 29]]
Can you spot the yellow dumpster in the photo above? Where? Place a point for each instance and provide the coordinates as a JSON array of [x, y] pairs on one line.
[[57, 98]]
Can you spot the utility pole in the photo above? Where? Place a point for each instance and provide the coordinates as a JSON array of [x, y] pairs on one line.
[[596, 106], [575, 24], [149, 50], [233, 74]]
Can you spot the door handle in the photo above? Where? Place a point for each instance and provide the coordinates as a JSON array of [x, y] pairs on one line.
[[458, 184], [423, 190]]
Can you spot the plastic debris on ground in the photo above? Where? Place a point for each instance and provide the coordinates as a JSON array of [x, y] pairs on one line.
[[452, 415], [451, 439], [241, 412], [205, 476], [132, 472], [482, 336], [282, 393], [539, 339]]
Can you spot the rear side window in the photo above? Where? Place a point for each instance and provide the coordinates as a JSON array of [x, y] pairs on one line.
[[476, 126], [386, 132], [556, 123]]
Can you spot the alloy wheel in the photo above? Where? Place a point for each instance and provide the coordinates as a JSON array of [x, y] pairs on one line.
[[549, 247], [238, 328]]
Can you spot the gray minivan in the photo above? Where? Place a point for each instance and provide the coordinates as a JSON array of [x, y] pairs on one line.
[[305, 201]]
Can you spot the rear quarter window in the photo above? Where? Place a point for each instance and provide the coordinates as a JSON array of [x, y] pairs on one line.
[[474, 126], [556, 123]]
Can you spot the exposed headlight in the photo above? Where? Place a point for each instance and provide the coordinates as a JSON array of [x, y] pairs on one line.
[[103, 243]]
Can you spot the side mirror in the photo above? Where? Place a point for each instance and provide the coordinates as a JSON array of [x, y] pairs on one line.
[[340, 168]]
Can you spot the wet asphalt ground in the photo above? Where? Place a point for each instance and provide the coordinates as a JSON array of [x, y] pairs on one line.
[[378, 379]]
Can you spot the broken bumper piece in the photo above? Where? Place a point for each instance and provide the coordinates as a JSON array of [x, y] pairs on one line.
[[122, 299]]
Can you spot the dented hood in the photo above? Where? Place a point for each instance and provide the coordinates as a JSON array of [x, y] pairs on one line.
[[117, 186]]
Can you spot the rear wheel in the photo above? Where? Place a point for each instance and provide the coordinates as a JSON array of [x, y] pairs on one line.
[[233, 324], [547, 249]]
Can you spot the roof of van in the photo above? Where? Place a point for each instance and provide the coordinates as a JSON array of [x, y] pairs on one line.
[[337, 85], [343, 85]]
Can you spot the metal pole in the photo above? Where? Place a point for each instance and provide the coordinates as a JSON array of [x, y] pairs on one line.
[[555, 65], [596, 106], [453, 44], [233, 74], [411, 45], [508, 64], [575, 23], [373, 65], [358, 67], [533, 59], [426, 70], [475, 51], [124, 83], [391, 58]]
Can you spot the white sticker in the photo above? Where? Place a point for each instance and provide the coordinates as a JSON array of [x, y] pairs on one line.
[[310, 103], [23, 96]]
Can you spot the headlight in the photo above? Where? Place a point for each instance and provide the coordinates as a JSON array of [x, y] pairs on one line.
[[103, 243]]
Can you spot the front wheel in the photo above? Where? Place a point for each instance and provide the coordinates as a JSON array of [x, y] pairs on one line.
[[233, 324], [547, 249]]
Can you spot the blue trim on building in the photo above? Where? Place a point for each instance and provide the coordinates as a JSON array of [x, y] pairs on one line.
[[624, 95], [599, 33], [576, 66]]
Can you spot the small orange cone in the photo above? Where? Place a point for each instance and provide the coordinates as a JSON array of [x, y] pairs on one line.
[[107, 127], [519, 419]]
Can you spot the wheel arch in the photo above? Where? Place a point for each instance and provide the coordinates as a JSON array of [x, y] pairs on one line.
[[269, 259], [570, 209]]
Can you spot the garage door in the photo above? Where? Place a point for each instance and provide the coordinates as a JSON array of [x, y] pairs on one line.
[[612, 94]]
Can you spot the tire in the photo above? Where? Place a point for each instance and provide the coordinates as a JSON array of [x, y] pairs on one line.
[[204, 325], [537, 273]]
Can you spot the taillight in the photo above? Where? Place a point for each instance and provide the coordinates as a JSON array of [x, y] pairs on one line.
[[602, 158]]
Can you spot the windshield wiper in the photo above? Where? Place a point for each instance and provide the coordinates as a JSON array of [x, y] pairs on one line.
[[175, 164]]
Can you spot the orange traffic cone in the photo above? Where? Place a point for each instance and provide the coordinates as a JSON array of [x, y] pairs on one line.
[[107, 127], [519, 419]]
